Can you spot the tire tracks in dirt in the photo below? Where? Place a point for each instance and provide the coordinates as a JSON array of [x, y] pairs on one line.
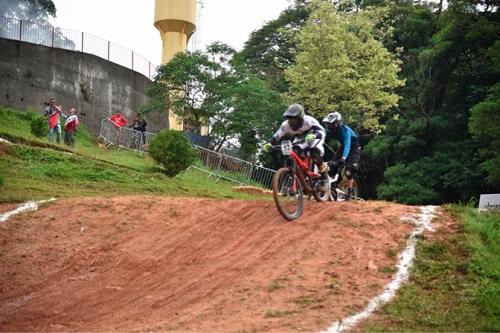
[[158, 263]]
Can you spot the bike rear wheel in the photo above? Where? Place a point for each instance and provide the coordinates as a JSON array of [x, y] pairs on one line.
[[288, 194], [355, 190], [321, 190]]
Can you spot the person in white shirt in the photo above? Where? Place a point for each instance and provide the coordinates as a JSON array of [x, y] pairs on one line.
[[70, 127]]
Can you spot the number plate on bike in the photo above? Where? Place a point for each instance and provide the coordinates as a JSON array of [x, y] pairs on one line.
[[286, 147]]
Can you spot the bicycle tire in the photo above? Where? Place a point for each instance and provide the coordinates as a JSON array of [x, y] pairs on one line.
[[356, 193], [321, 196], [282, 194]]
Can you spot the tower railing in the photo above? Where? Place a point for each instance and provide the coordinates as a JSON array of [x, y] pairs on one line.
[[43, 33]]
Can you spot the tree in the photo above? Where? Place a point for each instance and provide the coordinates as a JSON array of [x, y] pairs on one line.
[[485, 126], [272, 48], [450, 66], [27, 9], [342, 66], [215, 89], [186, 85]]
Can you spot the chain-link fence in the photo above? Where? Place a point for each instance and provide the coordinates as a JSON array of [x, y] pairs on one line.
[[42, 33], [219, 165]]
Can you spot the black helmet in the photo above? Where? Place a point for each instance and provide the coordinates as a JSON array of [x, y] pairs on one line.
[[295, 116], [294, 111]]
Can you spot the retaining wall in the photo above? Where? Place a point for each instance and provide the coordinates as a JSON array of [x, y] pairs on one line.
[[30, 74]]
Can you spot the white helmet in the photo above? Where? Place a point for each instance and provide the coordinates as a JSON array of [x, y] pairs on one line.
[[333, 117]]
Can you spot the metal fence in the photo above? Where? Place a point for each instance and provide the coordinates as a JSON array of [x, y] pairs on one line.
[[218, 165], [43, 33], [123, 137]]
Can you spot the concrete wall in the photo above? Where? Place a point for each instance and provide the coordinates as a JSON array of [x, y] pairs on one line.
[[31, 74]]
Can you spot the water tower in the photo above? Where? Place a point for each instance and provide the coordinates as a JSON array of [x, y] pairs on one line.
[[176, 21]]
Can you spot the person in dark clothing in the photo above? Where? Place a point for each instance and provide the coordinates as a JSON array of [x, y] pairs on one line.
[[349, 152], [139, 124]]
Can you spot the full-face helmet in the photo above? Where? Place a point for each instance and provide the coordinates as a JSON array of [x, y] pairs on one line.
[[295, 116], [333, 120]]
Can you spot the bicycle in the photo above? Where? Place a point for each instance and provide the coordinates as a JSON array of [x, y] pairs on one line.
[[338, 186], [296, 179]]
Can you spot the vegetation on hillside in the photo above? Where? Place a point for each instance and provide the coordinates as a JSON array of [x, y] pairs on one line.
[[439, 144], [455, 283], [214, 89], [31, 168], [343, 66]]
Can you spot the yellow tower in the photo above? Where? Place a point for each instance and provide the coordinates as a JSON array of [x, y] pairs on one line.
[[176, 20]]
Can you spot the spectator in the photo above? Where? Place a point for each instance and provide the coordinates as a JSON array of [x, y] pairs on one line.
[[139, 124], [70, 128], [52, 113], [118, 121]]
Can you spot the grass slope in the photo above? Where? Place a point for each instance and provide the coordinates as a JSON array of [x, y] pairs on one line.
[[455, 283], [32, 168]]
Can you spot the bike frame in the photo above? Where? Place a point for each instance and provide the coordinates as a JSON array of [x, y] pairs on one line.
[[303, 170]]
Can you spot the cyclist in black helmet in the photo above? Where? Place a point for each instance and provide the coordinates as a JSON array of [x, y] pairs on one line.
[[308, 134], [349, 151]]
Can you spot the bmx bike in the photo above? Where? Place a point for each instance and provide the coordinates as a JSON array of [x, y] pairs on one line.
[[338, 184], [297, 179]]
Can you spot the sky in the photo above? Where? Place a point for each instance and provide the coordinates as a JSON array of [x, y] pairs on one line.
[[131, 23]]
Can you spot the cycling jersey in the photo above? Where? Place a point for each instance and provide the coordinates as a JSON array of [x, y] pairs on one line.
[[309, 125], [347, 138]]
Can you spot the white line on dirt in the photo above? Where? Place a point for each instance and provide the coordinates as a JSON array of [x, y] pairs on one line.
[[29, 206], [422, 222]]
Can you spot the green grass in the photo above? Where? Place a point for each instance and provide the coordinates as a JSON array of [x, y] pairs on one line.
[[34, 169], [455, 283]]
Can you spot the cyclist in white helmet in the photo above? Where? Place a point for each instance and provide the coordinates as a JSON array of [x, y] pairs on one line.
[[349, 151], [308, 134]]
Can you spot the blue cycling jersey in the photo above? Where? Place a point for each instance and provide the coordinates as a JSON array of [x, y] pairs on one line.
[[346, 136]]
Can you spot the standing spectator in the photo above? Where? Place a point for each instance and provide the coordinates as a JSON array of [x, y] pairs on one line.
[[139, 124], [70, 128], [52, 113], [118, 121]]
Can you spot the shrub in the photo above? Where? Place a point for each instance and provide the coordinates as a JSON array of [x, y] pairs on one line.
[[39, 127], [1, 180], [173, 150]]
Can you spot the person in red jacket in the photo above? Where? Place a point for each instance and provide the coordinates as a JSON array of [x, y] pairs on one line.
[[118, 121], [70, 127], [52, 113]]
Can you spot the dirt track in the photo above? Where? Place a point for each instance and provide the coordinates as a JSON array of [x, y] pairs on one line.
[[155, 263]]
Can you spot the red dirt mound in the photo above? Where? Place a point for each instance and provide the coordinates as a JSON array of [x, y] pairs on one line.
[[155, 263]]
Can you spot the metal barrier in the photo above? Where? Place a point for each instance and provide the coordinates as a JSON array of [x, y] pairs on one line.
[[48, 35], [215, 164], [121, 137]]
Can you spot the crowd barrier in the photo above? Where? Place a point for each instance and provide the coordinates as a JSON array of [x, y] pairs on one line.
[[218, 165]]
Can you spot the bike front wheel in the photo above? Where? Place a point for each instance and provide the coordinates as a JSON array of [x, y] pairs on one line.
[[288, 194]]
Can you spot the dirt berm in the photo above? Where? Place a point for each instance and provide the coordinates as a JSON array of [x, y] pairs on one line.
[[156, 264]]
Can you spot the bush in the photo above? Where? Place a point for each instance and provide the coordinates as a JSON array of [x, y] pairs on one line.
[[173, 150], [39, 127], [1, 180], [411, 184]]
